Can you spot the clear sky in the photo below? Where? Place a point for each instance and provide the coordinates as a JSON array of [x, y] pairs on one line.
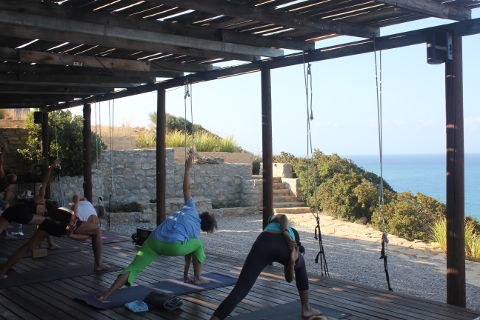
[[345, 114]]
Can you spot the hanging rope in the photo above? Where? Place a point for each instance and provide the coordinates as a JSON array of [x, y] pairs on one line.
[[378, 85], [308, 79], [111, 110]]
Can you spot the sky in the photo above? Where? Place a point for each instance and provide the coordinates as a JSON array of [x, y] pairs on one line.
[[344, 103]]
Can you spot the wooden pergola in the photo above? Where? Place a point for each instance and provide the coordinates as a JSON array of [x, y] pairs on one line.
[[59, 54]]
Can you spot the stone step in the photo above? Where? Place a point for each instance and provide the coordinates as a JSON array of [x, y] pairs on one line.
[[277, 179], [285, 191], [284, 198], [279, 185], [288, 204], [292, 210]]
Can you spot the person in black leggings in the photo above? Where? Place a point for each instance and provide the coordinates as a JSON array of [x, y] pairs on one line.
[[275, 244]]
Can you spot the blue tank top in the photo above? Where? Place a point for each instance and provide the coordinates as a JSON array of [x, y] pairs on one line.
[[275, 226]]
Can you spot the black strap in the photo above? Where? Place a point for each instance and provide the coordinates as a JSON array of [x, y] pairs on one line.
[[321, 253], [383, 256]]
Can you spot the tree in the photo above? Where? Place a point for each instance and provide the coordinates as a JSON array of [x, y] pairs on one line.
[[66, 141]]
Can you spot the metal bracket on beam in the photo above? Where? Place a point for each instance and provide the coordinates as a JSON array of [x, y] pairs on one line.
[[439, 47]]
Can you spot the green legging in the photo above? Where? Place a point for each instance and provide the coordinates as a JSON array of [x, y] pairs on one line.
[[153, 248]]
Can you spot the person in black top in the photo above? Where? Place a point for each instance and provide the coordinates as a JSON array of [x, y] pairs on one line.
[[30, 212], [58, 222]]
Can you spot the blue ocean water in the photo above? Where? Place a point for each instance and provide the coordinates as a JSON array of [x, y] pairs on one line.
[[425, 174]]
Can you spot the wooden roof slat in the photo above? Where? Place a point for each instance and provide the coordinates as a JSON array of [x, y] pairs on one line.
[[44, 28], [41, 90], [432, 8], [275, 17]]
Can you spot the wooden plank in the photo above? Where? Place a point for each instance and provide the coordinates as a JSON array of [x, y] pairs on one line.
[[41, 90], [404, 39], [82, 61], [432, 8], [219, 7], [83, 70], [70, 29], [184, 29]]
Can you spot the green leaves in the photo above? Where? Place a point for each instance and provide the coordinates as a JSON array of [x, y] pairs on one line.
[[66, 142]]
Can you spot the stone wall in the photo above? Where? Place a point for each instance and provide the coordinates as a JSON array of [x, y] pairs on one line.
[[126, 176], [15, 139], [228, 157]]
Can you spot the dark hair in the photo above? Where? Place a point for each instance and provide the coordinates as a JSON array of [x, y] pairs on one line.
[[208, 223], [51, 205]]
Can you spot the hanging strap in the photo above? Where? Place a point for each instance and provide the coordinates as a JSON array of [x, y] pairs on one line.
[[378, 85], [307, 72]]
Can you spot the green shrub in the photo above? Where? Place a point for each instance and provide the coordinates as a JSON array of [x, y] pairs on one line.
[[146, 140], [66, 141], [125, 207], [256, 167], [472, 237], [411, 217]]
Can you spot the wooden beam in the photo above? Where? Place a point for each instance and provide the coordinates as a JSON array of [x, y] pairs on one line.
[[267, 146], [161, 180], [45, 90], [69, 29], [455, 191], [432, 8], [82, 61], [282, 18], [26, 68], [74, 80], [464, 28], [87, 152], [157, 26]]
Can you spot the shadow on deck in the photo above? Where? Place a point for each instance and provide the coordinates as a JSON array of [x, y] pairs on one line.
[[53, 299]]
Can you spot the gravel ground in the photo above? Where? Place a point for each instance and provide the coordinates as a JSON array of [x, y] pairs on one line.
[[353, 260]]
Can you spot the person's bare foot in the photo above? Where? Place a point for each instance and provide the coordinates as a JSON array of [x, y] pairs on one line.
[[201, 280], [102, 267], [53, 247], [101, 297], [312, 314]]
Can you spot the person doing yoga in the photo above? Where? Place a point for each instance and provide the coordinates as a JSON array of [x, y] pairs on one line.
[[275, 244], [30, 212], [178, 235]]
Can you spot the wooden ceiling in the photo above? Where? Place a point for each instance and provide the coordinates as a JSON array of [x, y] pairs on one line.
[[60, 51]]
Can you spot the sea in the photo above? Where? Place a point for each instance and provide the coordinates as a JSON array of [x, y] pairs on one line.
[[425, 174]]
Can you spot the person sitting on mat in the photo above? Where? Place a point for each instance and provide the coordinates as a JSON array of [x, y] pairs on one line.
[[58, 222], [178, 235], [30, 212], [276, 243]]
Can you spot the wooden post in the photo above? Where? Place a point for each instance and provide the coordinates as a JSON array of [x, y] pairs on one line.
[[46, 146], [456, 293], [161, 157], [87, 152], [267, 146]]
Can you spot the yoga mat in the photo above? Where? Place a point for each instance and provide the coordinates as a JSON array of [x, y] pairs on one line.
[[8, 253], [288, 311], [170, 287], [111, 238], [44, 275]]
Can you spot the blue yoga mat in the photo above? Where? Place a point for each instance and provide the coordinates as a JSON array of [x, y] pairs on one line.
[[168, 287]]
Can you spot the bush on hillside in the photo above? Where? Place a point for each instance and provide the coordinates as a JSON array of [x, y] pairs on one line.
[[66, 141], [409, 216], [173, 123]]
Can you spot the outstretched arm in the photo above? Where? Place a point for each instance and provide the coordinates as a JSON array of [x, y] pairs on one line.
[[187, 193], [46, 177]]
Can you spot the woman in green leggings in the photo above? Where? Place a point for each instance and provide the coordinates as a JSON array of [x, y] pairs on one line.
[[178, 235]]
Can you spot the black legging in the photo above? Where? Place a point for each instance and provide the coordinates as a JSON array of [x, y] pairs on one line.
[[268, 247]]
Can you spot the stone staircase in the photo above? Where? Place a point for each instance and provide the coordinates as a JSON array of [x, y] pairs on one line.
[[283, 199]]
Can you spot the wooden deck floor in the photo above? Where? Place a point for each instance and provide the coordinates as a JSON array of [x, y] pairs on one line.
[[54, 299]]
